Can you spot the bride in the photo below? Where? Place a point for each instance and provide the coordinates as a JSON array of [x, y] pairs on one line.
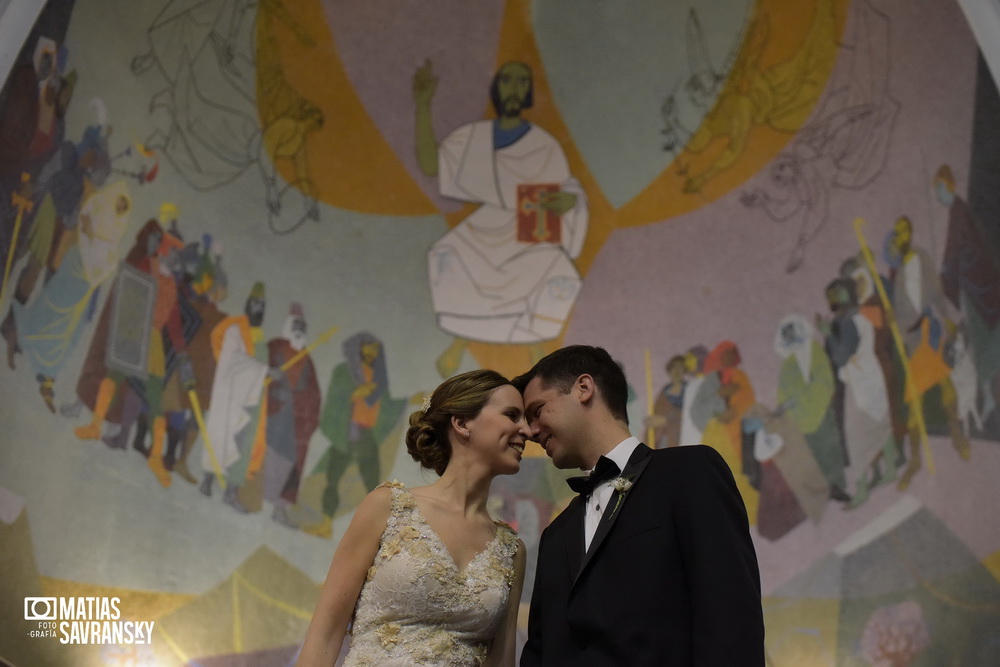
[[425, 576]]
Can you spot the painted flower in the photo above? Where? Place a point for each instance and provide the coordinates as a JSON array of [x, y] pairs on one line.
[[895, 635]]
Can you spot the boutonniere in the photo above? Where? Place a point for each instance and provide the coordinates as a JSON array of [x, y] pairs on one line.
[[622, 485]]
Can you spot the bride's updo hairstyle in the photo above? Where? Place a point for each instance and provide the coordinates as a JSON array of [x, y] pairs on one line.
[[463, 395]]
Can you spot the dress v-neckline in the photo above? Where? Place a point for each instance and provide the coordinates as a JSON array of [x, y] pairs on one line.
[[444, 547]]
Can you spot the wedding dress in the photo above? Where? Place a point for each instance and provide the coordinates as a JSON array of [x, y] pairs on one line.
[[417, 608]]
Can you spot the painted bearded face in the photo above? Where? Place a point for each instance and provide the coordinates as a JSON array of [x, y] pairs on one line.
[[296, 332], [791, 335], [255, 311], [902, 235], [838, 298], [513, 87], [369, 352], [676, 370]]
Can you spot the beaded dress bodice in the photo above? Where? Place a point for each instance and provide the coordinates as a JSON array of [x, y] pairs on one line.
[[417, 608]]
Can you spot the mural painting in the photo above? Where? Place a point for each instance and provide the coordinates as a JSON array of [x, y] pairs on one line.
[[243, 240]]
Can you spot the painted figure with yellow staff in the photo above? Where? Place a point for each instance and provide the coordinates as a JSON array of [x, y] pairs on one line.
[[270, 468], [190, 389], [292, 414], [237, 385], [926, 321], [862, 406], [23, 205]]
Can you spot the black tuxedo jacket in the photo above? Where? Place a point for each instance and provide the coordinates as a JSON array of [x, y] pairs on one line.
[[670, 579]]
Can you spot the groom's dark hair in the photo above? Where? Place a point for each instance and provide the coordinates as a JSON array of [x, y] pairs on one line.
[[561, 368]]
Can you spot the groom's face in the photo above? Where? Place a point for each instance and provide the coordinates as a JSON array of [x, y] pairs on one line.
[[555, 421]]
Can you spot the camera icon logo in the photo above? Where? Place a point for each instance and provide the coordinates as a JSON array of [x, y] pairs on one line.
[[40, 609]]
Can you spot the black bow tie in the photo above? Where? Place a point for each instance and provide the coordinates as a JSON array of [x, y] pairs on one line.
[[604, 470]]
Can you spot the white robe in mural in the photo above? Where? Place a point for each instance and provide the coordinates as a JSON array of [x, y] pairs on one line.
[[867, 426], [236, 389], [701, 403], [485, 284]]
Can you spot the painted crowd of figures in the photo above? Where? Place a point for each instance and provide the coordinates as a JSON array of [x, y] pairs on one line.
[[201, 372], [166, 368], [904, 352], [164, 365]]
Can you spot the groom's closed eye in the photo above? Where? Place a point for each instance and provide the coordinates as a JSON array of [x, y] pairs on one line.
[[532, 414]]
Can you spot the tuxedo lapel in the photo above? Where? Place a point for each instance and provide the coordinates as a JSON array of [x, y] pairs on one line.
[[633, 470], [575, 535]]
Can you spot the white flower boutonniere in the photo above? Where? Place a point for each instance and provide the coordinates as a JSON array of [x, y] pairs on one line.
[[621, 485]]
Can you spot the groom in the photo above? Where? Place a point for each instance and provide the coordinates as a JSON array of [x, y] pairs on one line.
[[652, 563]]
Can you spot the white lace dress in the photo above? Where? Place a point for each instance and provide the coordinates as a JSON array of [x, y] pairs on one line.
[[416, 608]]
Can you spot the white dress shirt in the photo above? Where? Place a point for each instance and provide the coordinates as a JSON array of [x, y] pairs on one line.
[[603, 492]]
